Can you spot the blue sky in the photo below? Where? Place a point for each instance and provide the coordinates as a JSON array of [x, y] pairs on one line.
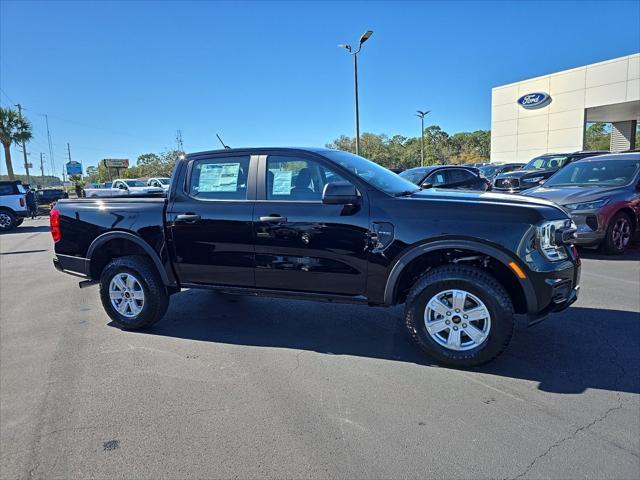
[[117, 79]]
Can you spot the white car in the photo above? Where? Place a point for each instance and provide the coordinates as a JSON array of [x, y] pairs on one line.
[[162, 182], [121, 188], [13, 205]]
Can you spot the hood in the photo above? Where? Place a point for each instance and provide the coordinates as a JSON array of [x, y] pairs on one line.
[[527, 173], [481, 197], [568, 195]]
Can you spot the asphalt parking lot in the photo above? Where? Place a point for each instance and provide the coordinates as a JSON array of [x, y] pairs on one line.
[[229, 386]]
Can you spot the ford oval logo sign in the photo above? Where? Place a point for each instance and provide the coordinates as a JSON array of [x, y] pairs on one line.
[[534, 100]]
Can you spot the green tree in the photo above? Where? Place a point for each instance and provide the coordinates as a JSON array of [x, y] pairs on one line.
[[598, 137], [14, 128], [403, 152]]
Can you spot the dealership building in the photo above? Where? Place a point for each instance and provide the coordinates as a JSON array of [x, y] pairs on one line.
[[550, 113]]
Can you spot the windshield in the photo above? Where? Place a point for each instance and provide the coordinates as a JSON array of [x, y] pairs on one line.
[[603, 173], [135, 183], [488, 170], [413, 175], [546, 162], [372, 173], [164, 181]]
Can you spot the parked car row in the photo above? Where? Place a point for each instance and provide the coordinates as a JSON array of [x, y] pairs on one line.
[[125, 187], [599, 190]]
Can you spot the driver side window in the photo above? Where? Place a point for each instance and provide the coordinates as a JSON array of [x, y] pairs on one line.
[[436, 178]]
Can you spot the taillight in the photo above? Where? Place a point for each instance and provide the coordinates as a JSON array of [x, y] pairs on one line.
[[22, 201], [54, 222]]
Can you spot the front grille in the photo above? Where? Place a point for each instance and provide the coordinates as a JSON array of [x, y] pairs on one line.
[[507, 183]]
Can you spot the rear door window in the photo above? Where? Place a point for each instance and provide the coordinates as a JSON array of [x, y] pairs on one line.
[[220, 178]]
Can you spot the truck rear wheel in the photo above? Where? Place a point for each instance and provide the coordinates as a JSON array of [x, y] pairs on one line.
[[460, 315], [7, 220], [132, 292]]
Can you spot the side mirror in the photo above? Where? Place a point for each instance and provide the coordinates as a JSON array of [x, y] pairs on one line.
[[426, 185], [340, 193]]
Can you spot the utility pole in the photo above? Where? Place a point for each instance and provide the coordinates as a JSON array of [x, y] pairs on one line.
[[179, 141], [24, 148], [422, 114], [53, 164], [354, 53], [42, 168]]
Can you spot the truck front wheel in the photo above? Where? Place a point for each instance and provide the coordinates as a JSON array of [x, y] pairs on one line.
[[460, 315], [132, 292]]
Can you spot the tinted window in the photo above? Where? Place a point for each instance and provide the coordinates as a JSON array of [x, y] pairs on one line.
[[135, 183], [414, 176], [456, 175], [6, 190], [596, 173], [297, 179], [437, 178], [221, 178]]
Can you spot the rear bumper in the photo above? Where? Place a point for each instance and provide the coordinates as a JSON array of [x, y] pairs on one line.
[[76, 266], [22, 213]]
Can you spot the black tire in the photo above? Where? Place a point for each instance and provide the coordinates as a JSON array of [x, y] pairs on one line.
[[156, 299], [609, 245], [7, 220], [478, 283], [19, 221]]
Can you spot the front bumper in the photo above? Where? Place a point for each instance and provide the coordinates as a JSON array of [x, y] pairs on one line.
[[591, 227], [556, 287]]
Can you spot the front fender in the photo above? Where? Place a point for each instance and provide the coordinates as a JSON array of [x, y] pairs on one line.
[[390, 291]]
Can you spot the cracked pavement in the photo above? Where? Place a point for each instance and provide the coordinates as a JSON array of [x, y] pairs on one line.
[[229, 386]]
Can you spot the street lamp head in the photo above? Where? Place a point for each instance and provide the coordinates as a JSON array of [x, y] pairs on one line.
[[422, 114], [346, 47], [365, 36]]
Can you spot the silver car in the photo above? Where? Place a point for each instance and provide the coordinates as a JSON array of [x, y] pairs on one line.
[[602, 195]]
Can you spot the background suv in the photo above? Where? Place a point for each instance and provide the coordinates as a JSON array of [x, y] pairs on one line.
[[537, 170], [602, 195]]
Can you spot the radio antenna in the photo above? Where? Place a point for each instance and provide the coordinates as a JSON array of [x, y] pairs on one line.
[[225, 146]]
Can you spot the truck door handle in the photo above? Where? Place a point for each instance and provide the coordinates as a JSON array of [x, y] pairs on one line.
[[273, 218], [187, 217]]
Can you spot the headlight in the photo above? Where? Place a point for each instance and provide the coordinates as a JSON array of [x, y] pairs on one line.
[[532, 179], [548, 240], [588, 205]]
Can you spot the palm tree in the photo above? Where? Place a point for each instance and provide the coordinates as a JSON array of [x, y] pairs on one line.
[[14, 128]]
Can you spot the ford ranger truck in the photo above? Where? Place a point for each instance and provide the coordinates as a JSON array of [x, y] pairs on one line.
[[327, 225]]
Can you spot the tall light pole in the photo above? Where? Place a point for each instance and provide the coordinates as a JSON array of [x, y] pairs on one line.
[[354, 53], [422, 114]]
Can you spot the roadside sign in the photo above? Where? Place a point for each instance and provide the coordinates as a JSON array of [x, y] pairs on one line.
[[116, 162], [74, 168], [29, 165]]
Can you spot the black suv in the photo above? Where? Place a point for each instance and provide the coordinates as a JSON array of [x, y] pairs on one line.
[[447, 176], [326, 225], [537, 170]]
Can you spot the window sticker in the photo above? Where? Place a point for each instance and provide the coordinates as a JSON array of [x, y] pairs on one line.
[[219, 177], [282, 182]]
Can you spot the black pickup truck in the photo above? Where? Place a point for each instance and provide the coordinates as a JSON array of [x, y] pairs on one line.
[[319, 224]]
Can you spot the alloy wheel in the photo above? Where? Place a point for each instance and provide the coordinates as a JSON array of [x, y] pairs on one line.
[[126, 294], [457, 320]]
